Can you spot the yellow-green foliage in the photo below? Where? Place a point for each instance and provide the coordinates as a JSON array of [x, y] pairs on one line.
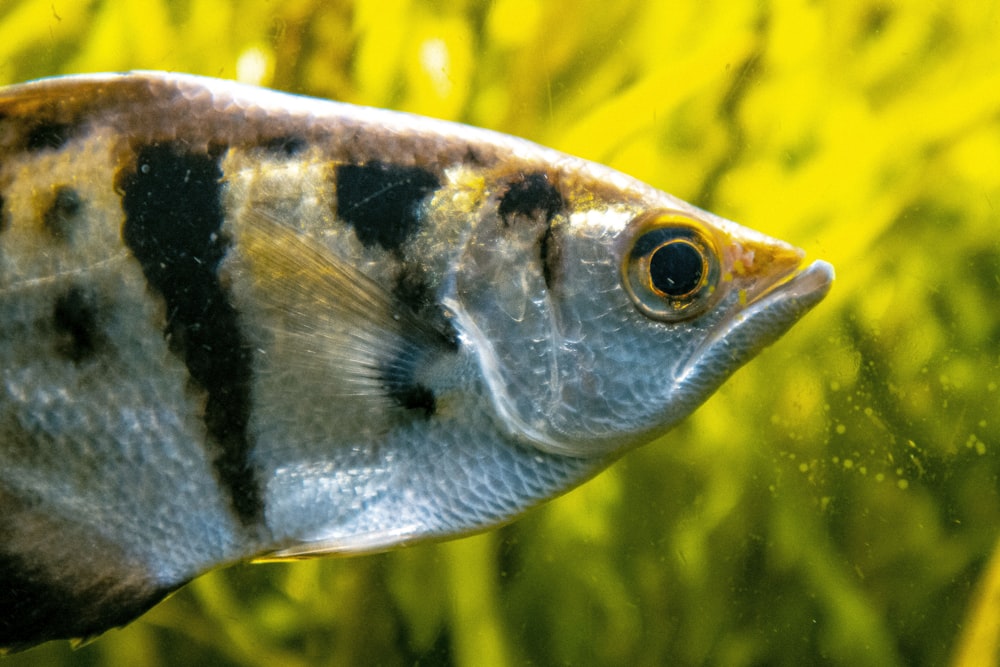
[[837, 501]]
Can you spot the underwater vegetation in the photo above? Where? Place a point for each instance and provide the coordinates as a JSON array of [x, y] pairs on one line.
[[836, 502]]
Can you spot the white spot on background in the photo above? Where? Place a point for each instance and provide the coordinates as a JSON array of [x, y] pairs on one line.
[[435, 61], [252, 66]]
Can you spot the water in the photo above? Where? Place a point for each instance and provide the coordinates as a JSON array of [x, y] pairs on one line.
[[836, 502]]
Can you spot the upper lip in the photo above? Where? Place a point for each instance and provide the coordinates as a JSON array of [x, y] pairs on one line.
[[809, 284]]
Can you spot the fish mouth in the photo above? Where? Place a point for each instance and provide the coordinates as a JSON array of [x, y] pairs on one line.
[[767, 315], [800, 289]]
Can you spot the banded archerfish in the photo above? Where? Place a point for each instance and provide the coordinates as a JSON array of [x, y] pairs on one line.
[[240, 324]]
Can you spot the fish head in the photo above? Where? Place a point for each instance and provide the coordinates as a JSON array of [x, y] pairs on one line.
[[600, 323]]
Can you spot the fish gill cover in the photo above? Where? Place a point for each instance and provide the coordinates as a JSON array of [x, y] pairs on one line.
[[836, 502]]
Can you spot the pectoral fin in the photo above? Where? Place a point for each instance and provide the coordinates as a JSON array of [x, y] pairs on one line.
[[337, 326]]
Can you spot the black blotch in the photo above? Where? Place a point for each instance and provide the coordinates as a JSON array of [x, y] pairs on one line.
[[400, 385], [286, 146], [412, 288], [382, 201], [75, 318], [413, 291], [59, 217], [436, 336], [416, 397], [530, 196], [173, 220], [48, 135]]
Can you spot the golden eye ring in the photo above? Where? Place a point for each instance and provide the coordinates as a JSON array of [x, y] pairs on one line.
[[671, 267]]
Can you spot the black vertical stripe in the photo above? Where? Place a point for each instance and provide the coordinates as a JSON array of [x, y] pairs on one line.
[[173, 221]]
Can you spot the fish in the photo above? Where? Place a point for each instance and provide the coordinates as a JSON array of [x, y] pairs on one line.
[[239, 324]]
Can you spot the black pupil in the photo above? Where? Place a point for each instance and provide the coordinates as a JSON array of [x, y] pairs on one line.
[[676, 268]]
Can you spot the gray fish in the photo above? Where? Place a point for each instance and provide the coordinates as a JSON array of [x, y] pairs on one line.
[[239, 324]]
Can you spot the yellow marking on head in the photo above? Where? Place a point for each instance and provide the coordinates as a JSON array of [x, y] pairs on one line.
[[462, 192], [762, 259]]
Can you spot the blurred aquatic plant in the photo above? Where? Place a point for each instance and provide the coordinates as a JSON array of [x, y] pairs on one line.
[[837, 501]]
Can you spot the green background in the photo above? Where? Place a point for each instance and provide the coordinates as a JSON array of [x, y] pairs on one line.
[[836, 502]]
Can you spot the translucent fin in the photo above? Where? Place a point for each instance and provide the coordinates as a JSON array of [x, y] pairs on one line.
[[332, 323]]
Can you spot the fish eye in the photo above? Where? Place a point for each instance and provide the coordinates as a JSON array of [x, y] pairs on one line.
[[672, 269]]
